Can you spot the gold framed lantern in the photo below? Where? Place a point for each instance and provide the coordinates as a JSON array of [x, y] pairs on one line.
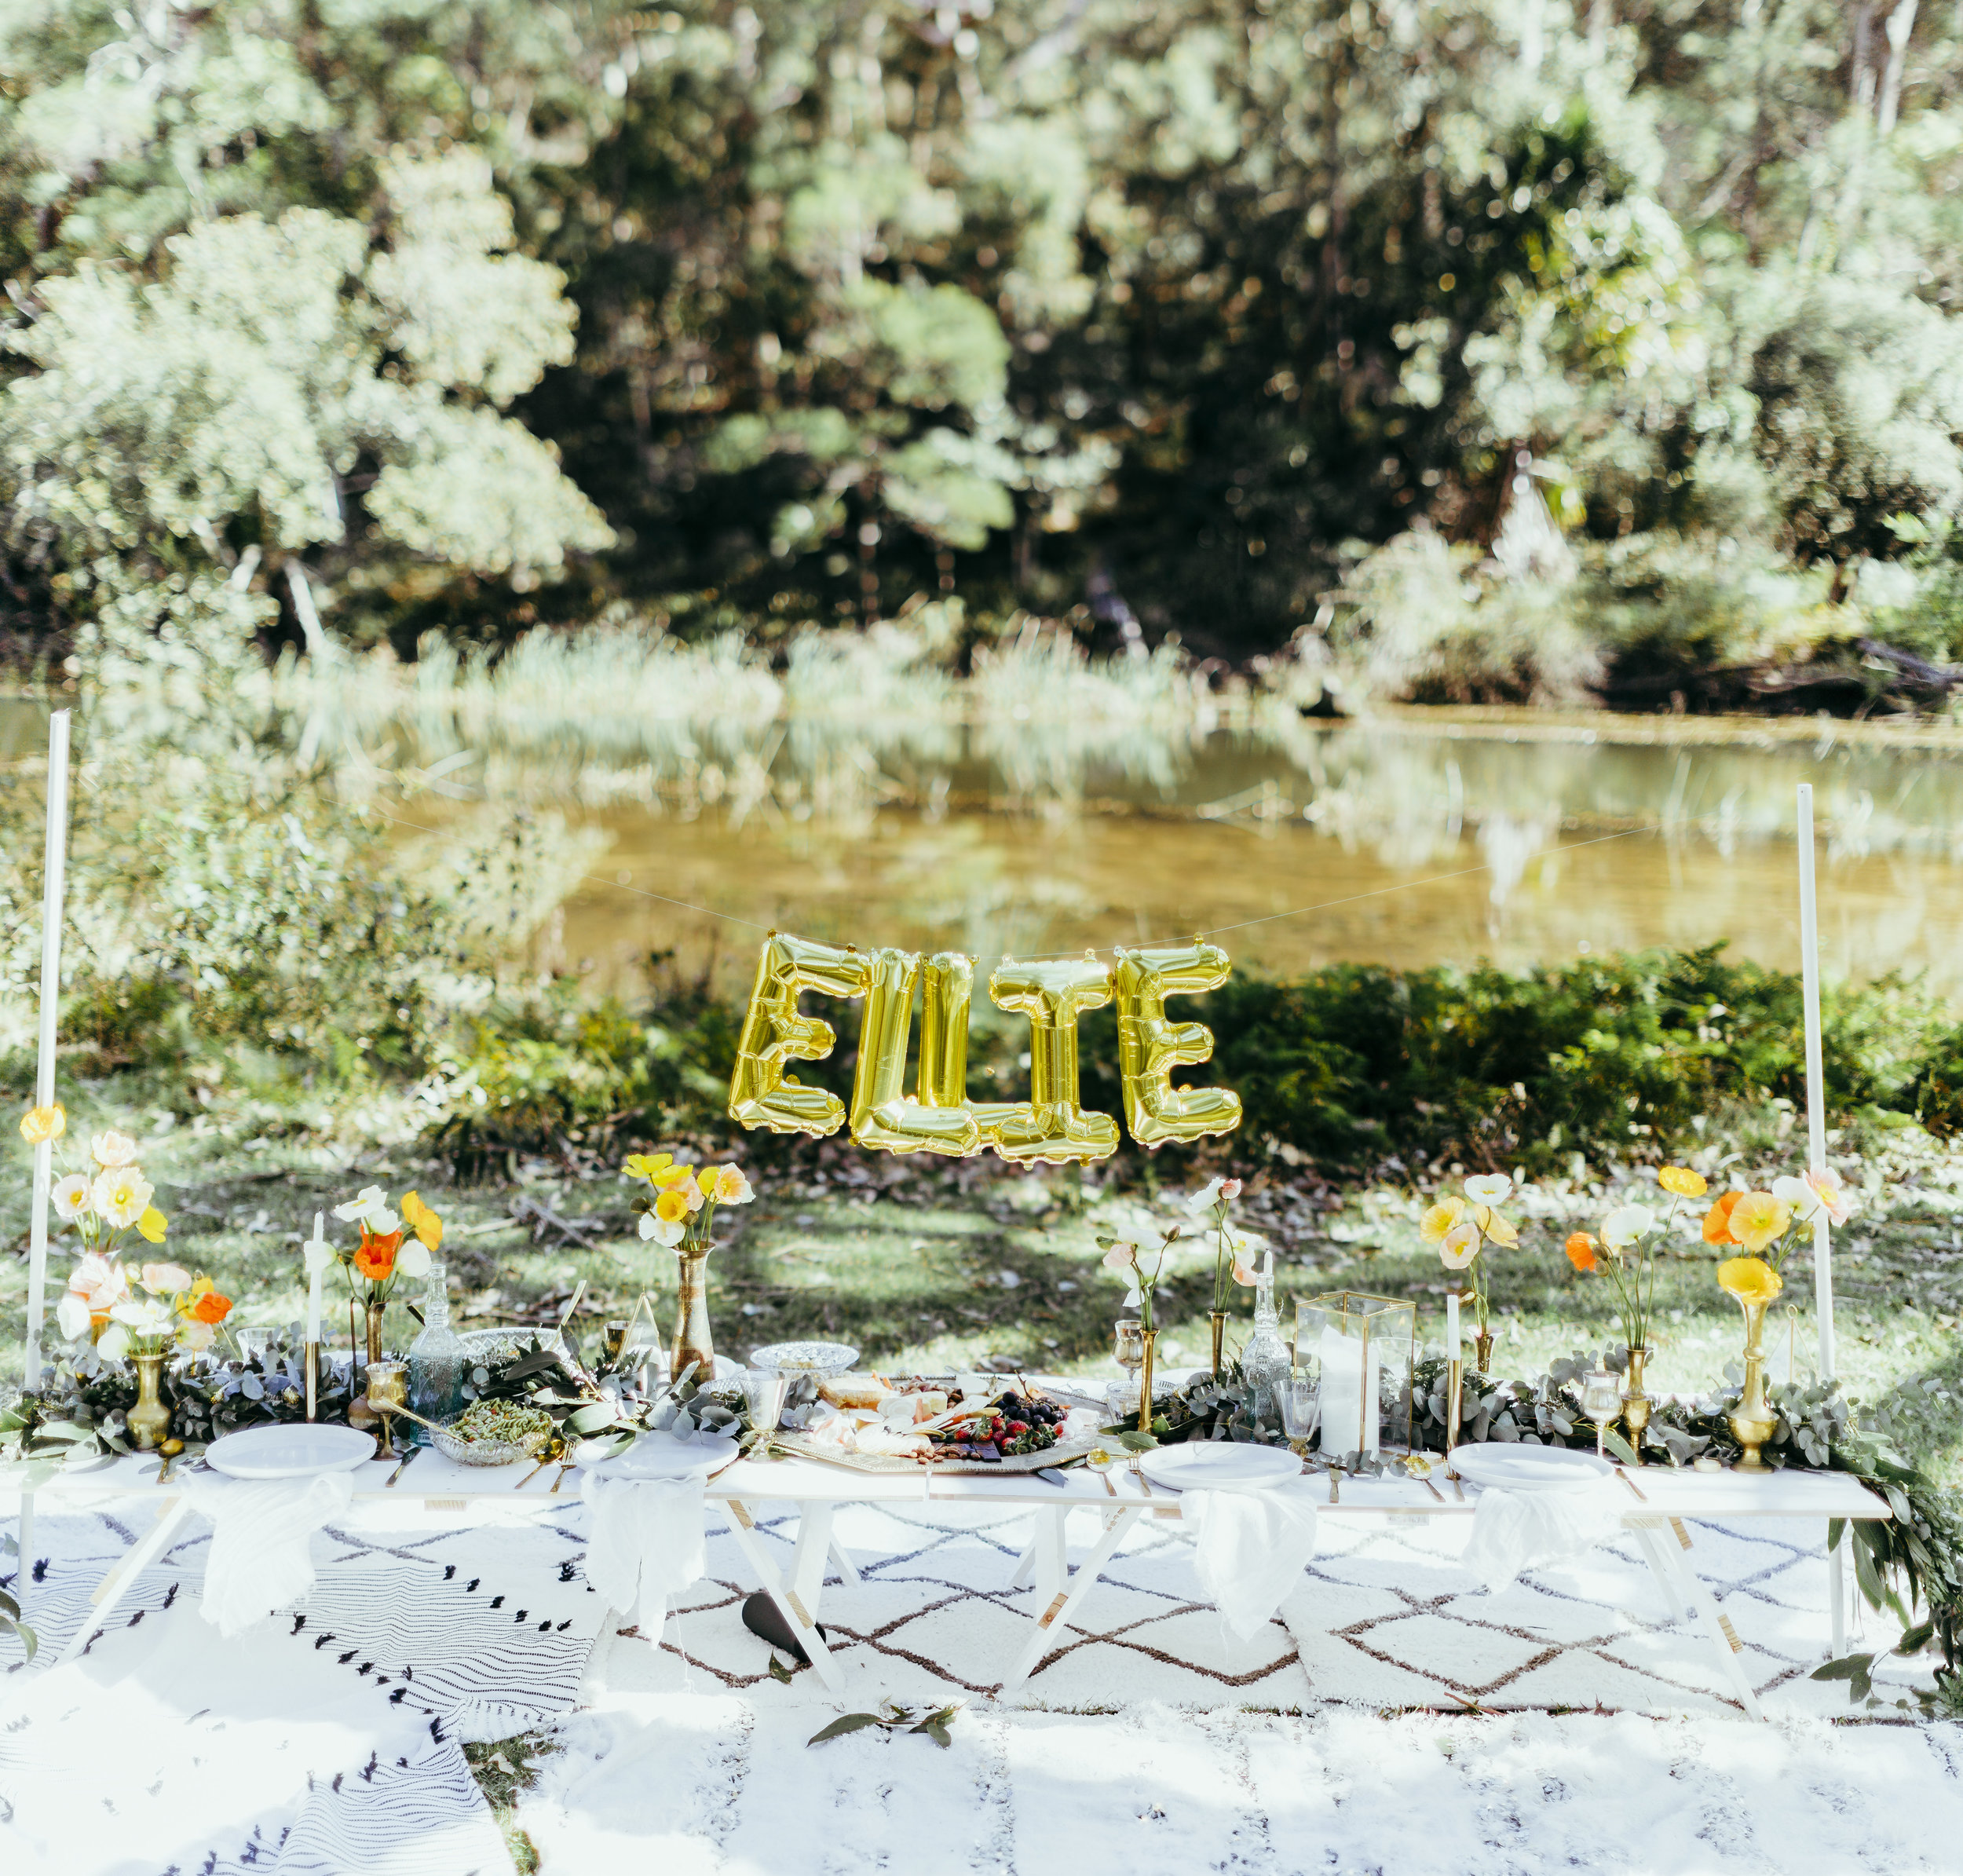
[[1360, 1350]]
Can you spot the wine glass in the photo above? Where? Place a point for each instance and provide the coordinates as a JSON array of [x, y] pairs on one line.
[[1301, 1409]]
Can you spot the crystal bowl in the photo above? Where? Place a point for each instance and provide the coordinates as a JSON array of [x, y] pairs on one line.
[[794, 1358]]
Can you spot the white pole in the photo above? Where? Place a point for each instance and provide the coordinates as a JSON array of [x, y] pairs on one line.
[[56, 864], [1815, 1092], [1816, 1160]]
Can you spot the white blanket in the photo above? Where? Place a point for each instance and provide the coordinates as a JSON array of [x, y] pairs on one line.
[[647, 1542], [1517, 1531], [1251, 1549], [261, 1549]]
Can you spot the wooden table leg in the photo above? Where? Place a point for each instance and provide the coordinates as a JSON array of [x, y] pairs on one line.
[[1674, 1602], [1063, 1601], [1717, 1625], [121, 1577], [808, 1556], [1836, 1594], [847, 1569], [770, 1580]]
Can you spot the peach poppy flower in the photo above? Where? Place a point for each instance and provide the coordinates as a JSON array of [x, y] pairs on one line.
[[208, 1306], [1459, 1246], [1581, 1250], [1717, 1221], [1757, 1218], [40, 1123], [374, 1256]]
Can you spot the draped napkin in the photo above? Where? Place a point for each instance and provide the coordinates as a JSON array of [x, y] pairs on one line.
[[1516, 1531], [1251, 1549], [262, 1531], [647, 1541]]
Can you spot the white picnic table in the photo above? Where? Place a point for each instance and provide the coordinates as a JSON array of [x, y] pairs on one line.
[[1663, 1502]]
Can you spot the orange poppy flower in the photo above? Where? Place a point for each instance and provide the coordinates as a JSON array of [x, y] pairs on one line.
[[1580, 1249], [210, 1308], [1717, 1221], [374, 1257]]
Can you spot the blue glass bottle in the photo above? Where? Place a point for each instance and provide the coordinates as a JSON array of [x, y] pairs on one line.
[[436, 1358]]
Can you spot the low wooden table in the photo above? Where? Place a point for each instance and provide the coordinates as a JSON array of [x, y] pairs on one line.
[[1671, 1500]]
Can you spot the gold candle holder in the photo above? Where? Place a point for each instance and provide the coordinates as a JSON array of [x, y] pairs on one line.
[[1454, 1399], [312, 1357], [388, 1392]]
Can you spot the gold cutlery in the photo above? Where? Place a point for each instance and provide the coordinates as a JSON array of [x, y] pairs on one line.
[[402, 1465]]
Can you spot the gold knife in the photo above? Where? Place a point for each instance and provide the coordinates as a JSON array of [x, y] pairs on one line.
[[402, 1466]]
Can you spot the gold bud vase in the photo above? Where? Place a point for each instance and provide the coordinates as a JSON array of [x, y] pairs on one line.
[[1636, 1404], [375, 1331], [149, 1420], [692, 1343], [1218, 1318], [1752, 1421], [1150, 1338]]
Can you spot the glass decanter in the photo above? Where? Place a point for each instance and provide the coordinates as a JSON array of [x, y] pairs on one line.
[[436, 1358], [1265, 1361]]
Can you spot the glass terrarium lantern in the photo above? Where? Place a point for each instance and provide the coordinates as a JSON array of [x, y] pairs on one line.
[[1360, 1350]]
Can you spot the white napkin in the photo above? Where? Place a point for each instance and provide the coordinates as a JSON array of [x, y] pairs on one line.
[[262, 1555], [1251, 1549], [1514, 1531], [647, 1541]]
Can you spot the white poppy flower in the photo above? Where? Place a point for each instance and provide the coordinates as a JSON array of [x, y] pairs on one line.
[[1624, 1226], [413, 1259], [71, 1315], [661, 1230], [71, 1197], [383, 1222], [316, 1254], [112, 1148], [1796, 1192], [1203, 1200], [1489, 1189], [114, 1343], [369, 1198], [122, 1195]]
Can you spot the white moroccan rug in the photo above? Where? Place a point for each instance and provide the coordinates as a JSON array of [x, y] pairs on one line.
[[329, 1741]]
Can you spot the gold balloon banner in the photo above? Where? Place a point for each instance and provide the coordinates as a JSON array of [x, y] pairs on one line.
[[1052, 1126]]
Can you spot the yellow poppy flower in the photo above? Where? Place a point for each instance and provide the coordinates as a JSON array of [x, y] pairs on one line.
[[672, 1207], [423, 1221], [1440, 1219], [40, 1123], [1493, 1228], [152, 1224], [645, 1165], [1682, 1182], [1757, 1218], [1750, 1279], [672, 1178]]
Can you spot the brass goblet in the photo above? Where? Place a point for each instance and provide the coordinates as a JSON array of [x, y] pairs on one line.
[[388, 1392]]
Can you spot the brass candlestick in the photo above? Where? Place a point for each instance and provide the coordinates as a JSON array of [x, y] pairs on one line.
[[1454, 1400], [388, 1393], [313, 1358]]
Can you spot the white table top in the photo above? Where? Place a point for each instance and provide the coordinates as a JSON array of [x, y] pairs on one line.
[[1669, 1493]]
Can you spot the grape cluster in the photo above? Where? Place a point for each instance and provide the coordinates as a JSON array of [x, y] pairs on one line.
[[1016, 1425]]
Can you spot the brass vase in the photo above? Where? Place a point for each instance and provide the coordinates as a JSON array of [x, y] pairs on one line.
[[1218, 1318], [1149, 1337], [1636, 1403], [1752, 1421], [374, 1332], [1482, 1352], [149, 1419], [691, 1340]]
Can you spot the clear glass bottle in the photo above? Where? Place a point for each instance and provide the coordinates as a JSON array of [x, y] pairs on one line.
[[436, 1358], [1264, 1362]]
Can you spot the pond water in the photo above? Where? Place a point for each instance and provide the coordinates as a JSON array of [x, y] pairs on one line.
[[1387, 844]]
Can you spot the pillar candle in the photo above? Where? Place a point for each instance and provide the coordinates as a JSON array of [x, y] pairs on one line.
[[1349, 1397], [313, 1280], [1452, 1343]]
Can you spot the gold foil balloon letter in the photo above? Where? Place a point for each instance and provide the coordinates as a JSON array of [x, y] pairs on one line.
[[1050, 1125], [882, 1117], [1149, 1046], [775, 1035]]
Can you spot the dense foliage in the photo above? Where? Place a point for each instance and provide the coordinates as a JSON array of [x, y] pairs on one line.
[[1177, 311]]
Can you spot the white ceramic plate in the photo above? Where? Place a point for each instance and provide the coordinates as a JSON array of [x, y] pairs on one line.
[[658, 1456], [1204, 1465], [290, 1452], [1519, 1468]]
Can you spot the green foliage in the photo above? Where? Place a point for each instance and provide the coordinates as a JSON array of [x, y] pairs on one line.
[[1621, 1056]]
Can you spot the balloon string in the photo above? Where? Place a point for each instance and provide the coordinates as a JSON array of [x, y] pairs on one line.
[[1463, 872]]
